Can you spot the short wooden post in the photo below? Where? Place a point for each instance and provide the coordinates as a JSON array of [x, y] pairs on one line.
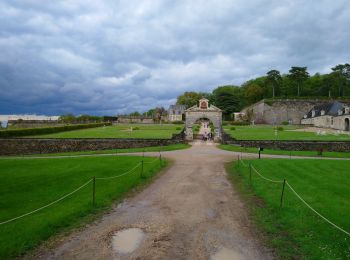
[[284, 183], [160, 159], [93, 190]]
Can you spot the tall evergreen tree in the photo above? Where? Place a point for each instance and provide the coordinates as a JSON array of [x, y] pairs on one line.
[[298, 75], [274, 79]]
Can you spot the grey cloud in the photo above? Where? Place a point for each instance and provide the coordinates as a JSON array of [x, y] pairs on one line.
[[106, 57]]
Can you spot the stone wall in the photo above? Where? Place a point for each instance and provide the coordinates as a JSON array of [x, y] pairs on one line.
[[21, 146], [332, 146], [279, 110]]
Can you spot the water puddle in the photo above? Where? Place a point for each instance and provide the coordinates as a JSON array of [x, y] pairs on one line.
[[128, 240], [227, 254]]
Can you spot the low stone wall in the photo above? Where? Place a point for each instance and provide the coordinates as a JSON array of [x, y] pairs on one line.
[[21, 146], [332, 146]]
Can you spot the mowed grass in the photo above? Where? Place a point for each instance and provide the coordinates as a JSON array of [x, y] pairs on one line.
[[267, 132], [294, 230], [235, 148], [161, 131], [28, 184]]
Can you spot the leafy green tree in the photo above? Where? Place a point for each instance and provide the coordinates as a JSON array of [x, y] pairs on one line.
[[189, 98], [341, 76], [136, 114], [67, 118], [274, 79], [298, 75], [227, 98]]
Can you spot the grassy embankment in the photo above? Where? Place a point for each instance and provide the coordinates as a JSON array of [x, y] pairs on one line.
[[164, 131], [267, 132], [32, 183], [293, 229]]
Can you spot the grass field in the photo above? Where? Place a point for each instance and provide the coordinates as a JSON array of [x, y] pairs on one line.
[[294, 230], [171, 147], [235, 148], [164, 131], [27, 184], [267, 132]]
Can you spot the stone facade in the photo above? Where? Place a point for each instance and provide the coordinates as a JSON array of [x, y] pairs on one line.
[[333, 115], [280, 110], [203, 110], [22, 146], [176, 112], [331, 146]]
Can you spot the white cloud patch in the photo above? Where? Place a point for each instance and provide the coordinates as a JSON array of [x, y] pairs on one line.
[[120, 56]]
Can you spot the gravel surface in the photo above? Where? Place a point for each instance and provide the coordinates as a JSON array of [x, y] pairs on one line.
[[190, 212]]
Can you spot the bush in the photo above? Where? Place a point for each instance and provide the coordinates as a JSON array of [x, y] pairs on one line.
[[232, 128], [285, 123], [178, 122], [178, 128], [136, 128], [224, 123], [239, 123], [280, 128], [47, 130]]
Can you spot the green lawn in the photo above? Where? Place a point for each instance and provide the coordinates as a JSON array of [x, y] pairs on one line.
[[150, 131], [171, 147], [235, 148], [294, 230], [32, 183], [267, 132]]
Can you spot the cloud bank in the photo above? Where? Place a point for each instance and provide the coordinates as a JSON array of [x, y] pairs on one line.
[[110, 57]]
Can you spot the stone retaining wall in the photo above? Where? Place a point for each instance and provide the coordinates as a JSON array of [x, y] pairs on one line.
[[21, 146], [332, 146]]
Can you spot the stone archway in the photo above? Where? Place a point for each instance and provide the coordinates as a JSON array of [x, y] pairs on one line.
[[203, 110]]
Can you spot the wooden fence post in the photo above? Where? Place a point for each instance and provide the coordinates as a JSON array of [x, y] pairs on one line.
[[284, 183], [93, 190]]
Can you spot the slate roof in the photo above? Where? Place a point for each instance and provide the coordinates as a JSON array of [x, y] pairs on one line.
[[331, 109]]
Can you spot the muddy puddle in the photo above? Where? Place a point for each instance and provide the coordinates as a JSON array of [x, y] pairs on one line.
[[128, 240]]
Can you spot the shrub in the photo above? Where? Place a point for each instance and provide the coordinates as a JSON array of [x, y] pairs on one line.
[[232, 128], [47, 130], [224, 123], [178, 122], [136, 128], [178, 128], [285, 123], [239, 123], [280, 128]]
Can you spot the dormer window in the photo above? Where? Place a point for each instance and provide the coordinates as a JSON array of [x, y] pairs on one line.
[[347, 110], [313, 112], [305, 116], [323, 112], [340, 112]]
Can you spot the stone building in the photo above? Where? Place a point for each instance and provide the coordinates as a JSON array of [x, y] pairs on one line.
[[335, 115], [280, 110], [204, 111], [176, 113]]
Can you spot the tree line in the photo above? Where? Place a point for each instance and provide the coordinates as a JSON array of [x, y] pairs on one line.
[[297, 83]]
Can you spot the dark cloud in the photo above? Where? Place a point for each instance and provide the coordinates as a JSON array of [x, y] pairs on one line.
[[108, 57]]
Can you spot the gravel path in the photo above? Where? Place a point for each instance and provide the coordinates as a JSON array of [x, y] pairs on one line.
[[189, 212]]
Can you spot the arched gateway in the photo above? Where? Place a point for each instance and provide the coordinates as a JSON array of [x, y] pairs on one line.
[[203, 110]]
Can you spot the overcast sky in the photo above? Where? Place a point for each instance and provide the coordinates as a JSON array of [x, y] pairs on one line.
[[109, 57]]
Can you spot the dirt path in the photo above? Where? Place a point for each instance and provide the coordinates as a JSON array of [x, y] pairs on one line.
[[190, 212]]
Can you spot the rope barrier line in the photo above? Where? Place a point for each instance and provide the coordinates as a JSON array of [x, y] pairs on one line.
[[117, 176], [308, 205], [267, 179], [48, 205], [156, 159], [244, 164]]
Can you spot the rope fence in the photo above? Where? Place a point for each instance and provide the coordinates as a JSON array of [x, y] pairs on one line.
[[284, 182], [93, 180]]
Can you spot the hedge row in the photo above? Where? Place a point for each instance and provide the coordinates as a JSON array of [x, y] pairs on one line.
[[47, 130]]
